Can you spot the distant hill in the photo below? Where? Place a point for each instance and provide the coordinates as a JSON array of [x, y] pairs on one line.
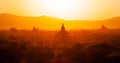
[[52, 23], [114, 19]]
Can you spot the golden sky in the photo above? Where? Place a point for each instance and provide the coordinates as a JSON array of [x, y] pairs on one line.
[[67, 9]]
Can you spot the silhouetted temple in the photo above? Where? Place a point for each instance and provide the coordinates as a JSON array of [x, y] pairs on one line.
[[63, 28], [62, 38], [103, 27]]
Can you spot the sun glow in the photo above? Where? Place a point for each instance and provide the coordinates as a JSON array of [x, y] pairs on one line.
[[66, 9], [59, 8]]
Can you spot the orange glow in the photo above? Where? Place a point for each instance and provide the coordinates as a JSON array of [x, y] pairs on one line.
[[66, 9], [76, 14], [59, 8]]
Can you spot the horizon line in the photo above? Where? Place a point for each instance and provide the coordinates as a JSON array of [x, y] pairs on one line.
[[58, 17]]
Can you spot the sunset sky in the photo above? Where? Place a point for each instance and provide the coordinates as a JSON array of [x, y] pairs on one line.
[[67, 9]]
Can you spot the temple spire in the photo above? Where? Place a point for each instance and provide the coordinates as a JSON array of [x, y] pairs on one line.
[[62, 28], [103, 27]]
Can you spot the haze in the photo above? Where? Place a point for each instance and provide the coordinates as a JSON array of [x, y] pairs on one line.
[[66, 9]]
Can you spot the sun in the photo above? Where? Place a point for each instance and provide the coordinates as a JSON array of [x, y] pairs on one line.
[[66, 9], [58, 8]]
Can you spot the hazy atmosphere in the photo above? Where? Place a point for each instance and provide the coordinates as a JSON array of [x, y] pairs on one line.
[[66, 9], [59, 31]]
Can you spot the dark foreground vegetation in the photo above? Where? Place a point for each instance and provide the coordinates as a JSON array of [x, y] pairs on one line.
[[81, 46]]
